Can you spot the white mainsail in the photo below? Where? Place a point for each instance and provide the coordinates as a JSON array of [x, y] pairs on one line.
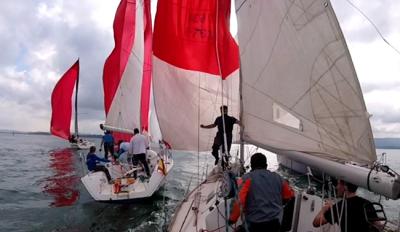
[[300, 98], [300, 90], [192, 99]]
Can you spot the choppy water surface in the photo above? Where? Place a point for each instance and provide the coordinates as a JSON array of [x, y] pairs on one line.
[[40, 189]]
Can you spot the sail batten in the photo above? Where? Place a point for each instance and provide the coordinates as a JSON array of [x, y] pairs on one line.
[[302, 64]]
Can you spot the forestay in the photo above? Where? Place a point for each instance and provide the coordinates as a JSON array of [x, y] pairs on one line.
[[300, 90]]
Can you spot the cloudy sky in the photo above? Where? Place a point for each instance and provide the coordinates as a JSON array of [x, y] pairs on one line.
[[41, 39]]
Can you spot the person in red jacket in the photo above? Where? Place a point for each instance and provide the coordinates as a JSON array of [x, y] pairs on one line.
[[261, 197]]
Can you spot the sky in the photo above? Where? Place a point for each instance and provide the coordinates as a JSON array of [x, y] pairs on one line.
[[41, 39]]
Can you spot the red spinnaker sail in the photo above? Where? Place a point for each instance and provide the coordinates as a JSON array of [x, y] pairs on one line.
[[61, 103], [125, 30], [147, 67], [124, 34], [185, 36]]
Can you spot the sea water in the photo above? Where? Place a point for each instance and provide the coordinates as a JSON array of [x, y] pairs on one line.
[[40, 189]]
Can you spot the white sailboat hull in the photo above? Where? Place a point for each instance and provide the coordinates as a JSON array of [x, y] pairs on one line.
[[204, 210], [192, 213], [98, 187]]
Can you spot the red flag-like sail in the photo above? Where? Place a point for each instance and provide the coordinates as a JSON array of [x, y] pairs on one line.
[[124, 34], [187, 33], [61, 103], [127, 71]]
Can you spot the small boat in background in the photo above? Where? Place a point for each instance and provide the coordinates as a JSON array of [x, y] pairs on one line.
[[62, 109]]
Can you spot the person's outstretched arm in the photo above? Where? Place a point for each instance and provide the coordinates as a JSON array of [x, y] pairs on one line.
[[208, 126]]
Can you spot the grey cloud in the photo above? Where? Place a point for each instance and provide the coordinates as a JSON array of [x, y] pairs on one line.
[[382, 13], [23, 32], [385, 131], [383, 86], [386, 117]]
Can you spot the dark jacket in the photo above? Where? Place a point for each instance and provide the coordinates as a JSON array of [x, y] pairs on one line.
[[92, 160]]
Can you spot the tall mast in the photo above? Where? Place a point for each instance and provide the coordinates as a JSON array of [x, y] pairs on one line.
[[76, 104], [241, 116]]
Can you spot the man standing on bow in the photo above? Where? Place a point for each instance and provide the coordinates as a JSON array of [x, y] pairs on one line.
[[219, 137]]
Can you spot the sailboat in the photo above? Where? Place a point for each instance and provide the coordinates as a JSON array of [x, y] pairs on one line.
[[62, 108], [299, 97], [127, 101]]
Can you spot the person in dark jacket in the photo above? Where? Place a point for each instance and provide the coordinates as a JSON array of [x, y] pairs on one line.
[[92, 162], [108, 141], [219, 137], [358, 209], [261, 197]]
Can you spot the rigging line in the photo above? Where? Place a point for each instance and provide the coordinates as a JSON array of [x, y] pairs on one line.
[[222, 81], [319, 78], [240, 6], [198, 131], [187, 213], [275, 42], [374, 25], [304, 151], [302, 116], [275, 100], [337, 125], [298, 133]]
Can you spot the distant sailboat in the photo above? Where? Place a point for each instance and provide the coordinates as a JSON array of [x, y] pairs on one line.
[[127, 97], [62, 108], [300, 97]]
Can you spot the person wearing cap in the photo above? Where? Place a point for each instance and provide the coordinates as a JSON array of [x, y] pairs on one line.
[[261, 197], [219, 137]]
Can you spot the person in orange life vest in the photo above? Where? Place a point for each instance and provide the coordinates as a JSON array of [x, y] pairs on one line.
[[261, 196]]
